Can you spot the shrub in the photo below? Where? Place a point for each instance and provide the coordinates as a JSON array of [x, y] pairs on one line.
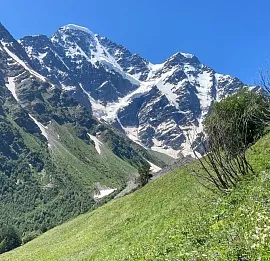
[[232, 126], [9, 239]]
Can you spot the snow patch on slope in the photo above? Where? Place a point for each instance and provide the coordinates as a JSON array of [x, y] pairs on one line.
[[97, 108], [187, 55], [154, 168], [12, 88], [68, 88], [100, 54], [204, 90], [42, 128], [168, 151], [22, 63], [41, 56], [111, 110], [97, 143], [167, 90], [158, 146], [132, 133], [104, 192]]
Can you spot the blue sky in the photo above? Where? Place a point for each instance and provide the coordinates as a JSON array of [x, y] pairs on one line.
[[231, 36]]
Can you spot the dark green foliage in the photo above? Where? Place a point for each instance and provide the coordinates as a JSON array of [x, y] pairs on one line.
[[35, 193], [121, 147], [82, 133], [32, 235], [145, 175], [9, 239], [238, 121], [233, 125], [40, 186]]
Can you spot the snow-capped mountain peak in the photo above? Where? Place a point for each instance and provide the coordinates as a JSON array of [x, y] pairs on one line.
[[181, 58], [77, 28], [156, 105]]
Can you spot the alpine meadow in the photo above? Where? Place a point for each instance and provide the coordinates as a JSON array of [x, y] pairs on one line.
[[109, 156]]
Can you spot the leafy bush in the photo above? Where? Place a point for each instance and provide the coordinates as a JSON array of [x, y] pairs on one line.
[[30, 236], [233, 125], [145, 175], [9, 239], [237, 121]]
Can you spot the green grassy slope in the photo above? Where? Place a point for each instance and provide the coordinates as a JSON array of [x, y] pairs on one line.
[[86, 164], [49, 167], [37, 197], [44, 183], [172, 218]]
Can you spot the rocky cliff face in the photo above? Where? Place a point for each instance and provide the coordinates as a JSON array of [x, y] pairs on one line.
[[156, 105]]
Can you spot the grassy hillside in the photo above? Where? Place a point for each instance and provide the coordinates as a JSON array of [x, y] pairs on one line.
[[50, 167], [46, 179], [85, 163], [47, 183], [172, 218]]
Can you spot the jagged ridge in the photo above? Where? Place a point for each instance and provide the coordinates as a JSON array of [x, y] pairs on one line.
[[156, 105]]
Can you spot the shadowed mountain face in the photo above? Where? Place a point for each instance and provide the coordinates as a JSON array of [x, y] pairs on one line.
[[156, 105]]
